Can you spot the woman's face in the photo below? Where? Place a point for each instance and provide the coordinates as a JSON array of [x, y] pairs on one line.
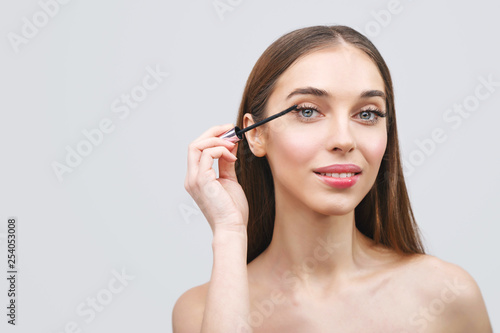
[[338, 129]]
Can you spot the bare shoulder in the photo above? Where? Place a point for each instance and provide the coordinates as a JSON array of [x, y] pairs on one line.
[[187, 315], [436, 274], [448, 295]]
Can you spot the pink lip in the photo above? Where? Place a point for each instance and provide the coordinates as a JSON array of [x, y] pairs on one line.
[[339, 168]]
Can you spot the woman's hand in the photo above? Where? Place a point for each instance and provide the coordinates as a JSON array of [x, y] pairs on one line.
[[222, 199], [225, 206]]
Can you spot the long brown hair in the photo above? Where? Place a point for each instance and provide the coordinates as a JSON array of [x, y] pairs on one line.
[[385, 213]]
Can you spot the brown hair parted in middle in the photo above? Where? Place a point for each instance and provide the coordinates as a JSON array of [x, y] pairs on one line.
[[385, 213]]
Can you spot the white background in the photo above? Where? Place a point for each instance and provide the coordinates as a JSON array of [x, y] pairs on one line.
[[125, 208]]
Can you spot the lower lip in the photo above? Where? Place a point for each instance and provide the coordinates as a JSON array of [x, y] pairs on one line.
[[339, 182]]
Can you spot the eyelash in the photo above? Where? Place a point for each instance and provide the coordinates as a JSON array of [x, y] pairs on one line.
[[376, 112]]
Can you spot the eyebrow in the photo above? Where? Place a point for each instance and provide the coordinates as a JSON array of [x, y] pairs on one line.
[[323, 93]]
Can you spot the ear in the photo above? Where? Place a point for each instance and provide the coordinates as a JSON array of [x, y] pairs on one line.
[[255, 137]]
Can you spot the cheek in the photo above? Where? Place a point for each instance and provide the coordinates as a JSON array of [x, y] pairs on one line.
[[297, 149], [292, 150], [373, 148]]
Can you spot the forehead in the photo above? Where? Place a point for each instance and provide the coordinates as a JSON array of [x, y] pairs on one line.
[[341, 70]]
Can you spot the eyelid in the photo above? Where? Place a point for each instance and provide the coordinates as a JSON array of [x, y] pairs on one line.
[[371, 106], [306, 104], [374, 109]]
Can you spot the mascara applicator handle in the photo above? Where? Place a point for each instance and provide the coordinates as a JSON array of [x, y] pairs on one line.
[[233, 135]]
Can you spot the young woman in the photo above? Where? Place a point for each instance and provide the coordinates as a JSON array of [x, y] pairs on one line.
[[313, 228]]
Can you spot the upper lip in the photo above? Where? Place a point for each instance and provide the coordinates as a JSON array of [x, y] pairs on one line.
[[339, 168]]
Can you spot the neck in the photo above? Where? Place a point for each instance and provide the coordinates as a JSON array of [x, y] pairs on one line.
[[314, 247]]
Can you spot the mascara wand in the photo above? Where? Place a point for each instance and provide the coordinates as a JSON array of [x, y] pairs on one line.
[[236, 134]]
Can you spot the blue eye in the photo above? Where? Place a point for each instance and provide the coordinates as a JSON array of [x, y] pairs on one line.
[[305, 113], [366, 115], [371, 115]]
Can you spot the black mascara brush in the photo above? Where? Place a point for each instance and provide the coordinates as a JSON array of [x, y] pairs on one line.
[[236, 134]]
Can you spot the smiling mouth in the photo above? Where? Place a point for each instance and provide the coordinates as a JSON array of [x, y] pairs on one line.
[[338, 175]]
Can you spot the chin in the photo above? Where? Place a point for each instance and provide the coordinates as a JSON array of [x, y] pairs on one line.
[[334, 209]]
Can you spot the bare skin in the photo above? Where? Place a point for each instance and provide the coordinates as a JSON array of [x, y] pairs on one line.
[[388, 293], [319, 274], [381, 294]]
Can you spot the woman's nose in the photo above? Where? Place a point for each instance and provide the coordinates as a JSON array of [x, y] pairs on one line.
[[340, 136]]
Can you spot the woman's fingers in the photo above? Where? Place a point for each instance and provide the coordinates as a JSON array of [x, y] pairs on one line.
[[215, 131], [198, 145], [204, 185], [201, 154], [221, 199], [208, 156], [226, 168], [200, 168], [196, 148]]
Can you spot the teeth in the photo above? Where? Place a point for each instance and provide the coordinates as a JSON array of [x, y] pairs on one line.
[[338, 175]]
